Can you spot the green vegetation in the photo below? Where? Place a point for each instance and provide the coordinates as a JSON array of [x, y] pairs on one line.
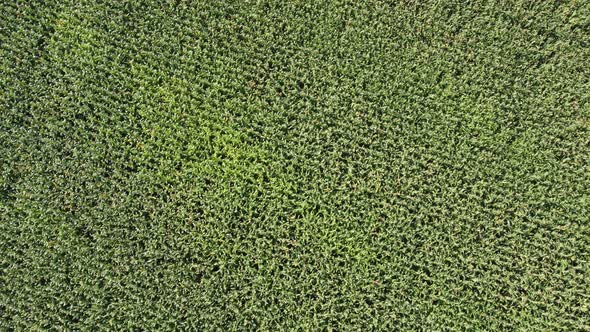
[[274, 165]]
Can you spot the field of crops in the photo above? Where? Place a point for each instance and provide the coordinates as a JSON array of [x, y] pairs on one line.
[[295, 165]]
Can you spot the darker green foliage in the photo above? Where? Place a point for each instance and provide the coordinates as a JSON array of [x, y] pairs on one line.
[[273, 165]]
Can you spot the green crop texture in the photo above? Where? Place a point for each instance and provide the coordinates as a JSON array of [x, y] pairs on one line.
[[295, 165]]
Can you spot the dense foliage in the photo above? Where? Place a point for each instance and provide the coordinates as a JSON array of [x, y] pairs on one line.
[[295, 164]]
